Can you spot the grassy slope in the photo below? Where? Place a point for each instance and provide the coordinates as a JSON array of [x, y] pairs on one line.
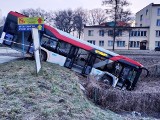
[[53, 94]]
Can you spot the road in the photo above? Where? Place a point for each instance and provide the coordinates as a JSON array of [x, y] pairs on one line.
[[7, 54], [4, 59]]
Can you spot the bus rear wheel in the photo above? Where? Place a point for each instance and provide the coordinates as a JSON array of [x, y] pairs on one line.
[[43, 55]]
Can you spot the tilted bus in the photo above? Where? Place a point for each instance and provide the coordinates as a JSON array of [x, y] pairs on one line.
[[68, 51]]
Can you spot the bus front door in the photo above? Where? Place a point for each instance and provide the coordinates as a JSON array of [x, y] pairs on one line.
[[71, 57], [89, 64]]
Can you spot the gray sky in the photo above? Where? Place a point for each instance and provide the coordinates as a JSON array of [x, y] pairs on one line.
[[17, 5]]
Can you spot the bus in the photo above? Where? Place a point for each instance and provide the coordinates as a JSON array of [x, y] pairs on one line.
[[68, 51]]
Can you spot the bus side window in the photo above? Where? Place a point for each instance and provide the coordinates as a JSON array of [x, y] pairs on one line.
[[132, 75], [63, 48], [49, 43], [118, 67]]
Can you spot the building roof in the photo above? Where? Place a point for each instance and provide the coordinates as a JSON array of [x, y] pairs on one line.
[[112, 23], [155, 4]]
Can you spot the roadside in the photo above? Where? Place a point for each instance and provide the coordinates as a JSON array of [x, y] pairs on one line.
[[6, 51], [8, 54]]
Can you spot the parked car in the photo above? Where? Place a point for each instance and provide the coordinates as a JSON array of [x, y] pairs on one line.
[[157, 48]]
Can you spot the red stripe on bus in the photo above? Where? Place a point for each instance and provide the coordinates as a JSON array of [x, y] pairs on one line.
[[120, 57], [16, 14], [66, 39], [58, 35]]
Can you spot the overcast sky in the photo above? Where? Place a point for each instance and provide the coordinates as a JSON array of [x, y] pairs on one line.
[[17, 5]]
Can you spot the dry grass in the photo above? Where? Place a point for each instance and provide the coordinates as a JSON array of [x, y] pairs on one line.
[[52, 95], [145, 99]]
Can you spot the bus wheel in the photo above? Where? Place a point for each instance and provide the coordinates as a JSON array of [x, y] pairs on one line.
[[43, 55]]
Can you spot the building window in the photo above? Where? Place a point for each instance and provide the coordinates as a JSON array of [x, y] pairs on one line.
[[147, 12], [141, 17], [131, 33], [101, 43], [138, 33], [134, 44], [110, 32], [140, 25], [158, 22], [120, 43], [135, 33], [145, 33], [157, 43], [158, 12], [90, 32], [119, 33], [110, 43], [101, 33], [157, 33], [91, 41]]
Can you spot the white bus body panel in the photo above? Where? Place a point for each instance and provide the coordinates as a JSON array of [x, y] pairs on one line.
[[54, 57], [99, 73]]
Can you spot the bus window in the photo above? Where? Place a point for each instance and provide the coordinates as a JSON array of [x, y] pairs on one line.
[[100, 62], [49, 43], [124, 74], [63, 48], [55, 45], [132, 75]]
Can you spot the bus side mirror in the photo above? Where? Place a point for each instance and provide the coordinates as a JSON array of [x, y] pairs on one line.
[[146, 71]]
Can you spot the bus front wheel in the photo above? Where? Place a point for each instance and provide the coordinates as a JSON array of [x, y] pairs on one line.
[[43, 55]]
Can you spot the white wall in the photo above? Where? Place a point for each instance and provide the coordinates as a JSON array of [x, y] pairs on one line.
[[153, 27], [149, 20], [146, 21], [125, 37]]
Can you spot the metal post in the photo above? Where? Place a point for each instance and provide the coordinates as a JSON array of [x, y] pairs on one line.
[[23, 42]]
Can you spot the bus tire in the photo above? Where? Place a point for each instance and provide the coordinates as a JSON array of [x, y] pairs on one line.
[[43, 55]]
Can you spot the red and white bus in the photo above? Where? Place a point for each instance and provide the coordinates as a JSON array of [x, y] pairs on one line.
[[68, 51]]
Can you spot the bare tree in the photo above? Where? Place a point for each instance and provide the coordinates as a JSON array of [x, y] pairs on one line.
[[39, 13], [80, 18], [97, 16], [64, 20], [117, 13]]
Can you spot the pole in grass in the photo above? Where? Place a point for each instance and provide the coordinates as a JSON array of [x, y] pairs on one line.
[[23, 44]]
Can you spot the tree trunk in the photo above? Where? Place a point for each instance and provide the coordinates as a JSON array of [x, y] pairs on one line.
[[115, 23]]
